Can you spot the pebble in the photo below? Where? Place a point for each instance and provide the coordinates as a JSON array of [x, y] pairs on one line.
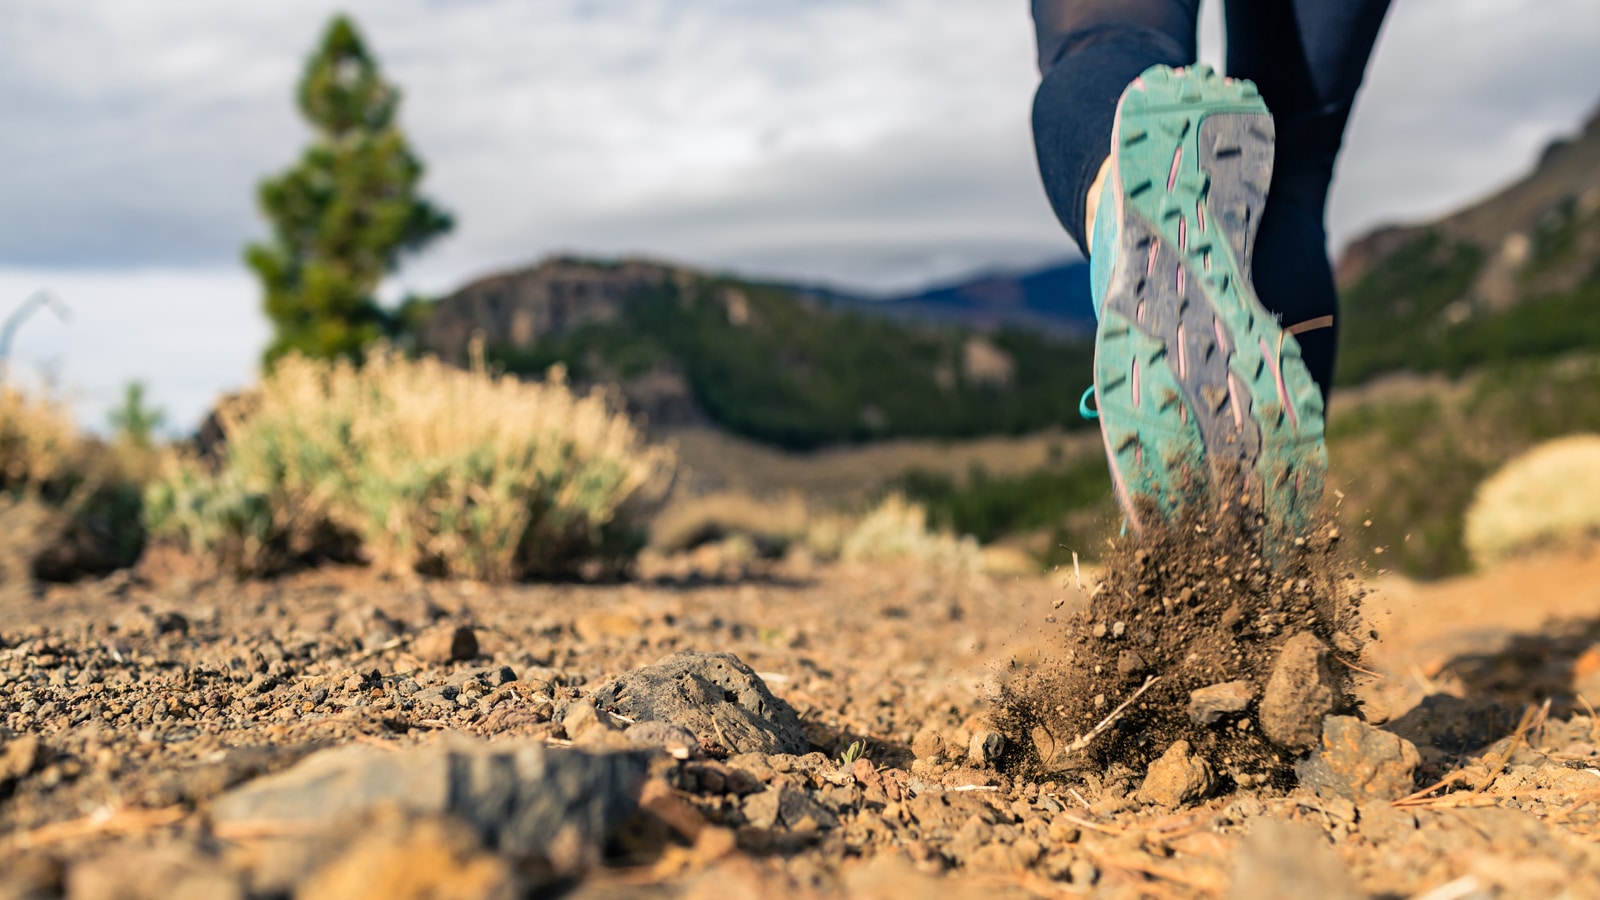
[[449, 643], [1178, 777], [1209, 704]]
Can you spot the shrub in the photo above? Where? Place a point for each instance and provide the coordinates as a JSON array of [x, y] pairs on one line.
[[41, 451], [414, 466], [898, 529], [770, 525], [69, 506], [1548, 496]]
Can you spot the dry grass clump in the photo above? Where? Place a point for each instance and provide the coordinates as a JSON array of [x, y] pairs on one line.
[[767, 528], [898, 529], [41, 449], [1547, 497], [68, 504], [415, 466], [771, 525]]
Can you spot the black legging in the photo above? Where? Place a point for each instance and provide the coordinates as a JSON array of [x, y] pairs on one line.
[[1306, 56]]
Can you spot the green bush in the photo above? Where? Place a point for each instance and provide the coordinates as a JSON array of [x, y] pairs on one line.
[[414, 466], [1073, 502], [801, 376]]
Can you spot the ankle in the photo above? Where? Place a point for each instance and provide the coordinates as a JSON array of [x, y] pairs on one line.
[[1092, 202]]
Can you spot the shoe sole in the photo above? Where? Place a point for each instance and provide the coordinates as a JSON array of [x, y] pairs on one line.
[[1194, 378]]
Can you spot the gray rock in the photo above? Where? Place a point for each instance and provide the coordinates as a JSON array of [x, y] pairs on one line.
[[441, 697], [985, 747], [1299, 693], [1358, 762], [489, 676], [1282, 861], [518, 796], [788, 806], [674, 739], [1209, 704], [1178, 777], [715, 696]]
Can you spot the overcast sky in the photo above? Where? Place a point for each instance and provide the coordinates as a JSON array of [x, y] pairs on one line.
[[873, 144]]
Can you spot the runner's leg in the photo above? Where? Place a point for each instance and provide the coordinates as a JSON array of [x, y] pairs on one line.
[[1089, 51], [1308, 58]]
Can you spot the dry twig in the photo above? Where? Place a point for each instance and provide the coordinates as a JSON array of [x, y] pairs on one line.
[[1107, 722], [1531, 719], [105, 823], [1352, 665]]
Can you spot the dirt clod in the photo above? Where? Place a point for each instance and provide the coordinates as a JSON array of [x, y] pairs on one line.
[[1359, 762], [1176, 778], [17, 758], [1300, 692], [1283, 861], [446, 644], [1209, 704]]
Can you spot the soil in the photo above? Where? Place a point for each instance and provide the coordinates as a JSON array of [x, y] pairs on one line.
[[331, 734], [1183, 614]]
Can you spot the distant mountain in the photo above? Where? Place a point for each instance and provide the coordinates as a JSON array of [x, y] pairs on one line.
[[1053, 300], [790, 365], [1514, 276]]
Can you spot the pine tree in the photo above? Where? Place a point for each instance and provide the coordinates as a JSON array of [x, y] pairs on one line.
[[345, 213]]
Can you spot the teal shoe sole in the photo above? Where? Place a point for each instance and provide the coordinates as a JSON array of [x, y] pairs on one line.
[[1199, 389]]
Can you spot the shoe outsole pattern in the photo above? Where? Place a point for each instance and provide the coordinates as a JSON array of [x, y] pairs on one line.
[[1193, 376]]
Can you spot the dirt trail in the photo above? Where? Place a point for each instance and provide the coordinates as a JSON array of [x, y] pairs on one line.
[[161, 740]]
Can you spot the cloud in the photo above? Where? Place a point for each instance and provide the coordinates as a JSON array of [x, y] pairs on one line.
[[189, 334], [874, 144], [824, 138], [1460, 98]]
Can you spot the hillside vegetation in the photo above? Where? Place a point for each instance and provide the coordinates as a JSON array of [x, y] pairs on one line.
[[764, 362]]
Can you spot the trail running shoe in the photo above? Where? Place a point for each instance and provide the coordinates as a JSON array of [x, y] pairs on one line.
[[1199, 389]]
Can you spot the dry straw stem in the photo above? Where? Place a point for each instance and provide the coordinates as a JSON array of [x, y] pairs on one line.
[[105, 823], [1549, 495], [1087, 739]]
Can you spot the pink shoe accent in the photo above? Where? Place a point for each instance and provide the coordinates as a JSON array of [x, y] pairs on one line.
[[1200, 214], [1183, 235], [1180, 282], [1150, 264], [1172, 177], [1233, 401], [1222, 336], [1283, 389], [1136, 384], [1183, 355]]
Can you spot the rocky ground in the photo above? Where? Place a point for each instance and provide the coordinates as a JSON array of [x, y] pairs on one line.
[[792, 732]]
